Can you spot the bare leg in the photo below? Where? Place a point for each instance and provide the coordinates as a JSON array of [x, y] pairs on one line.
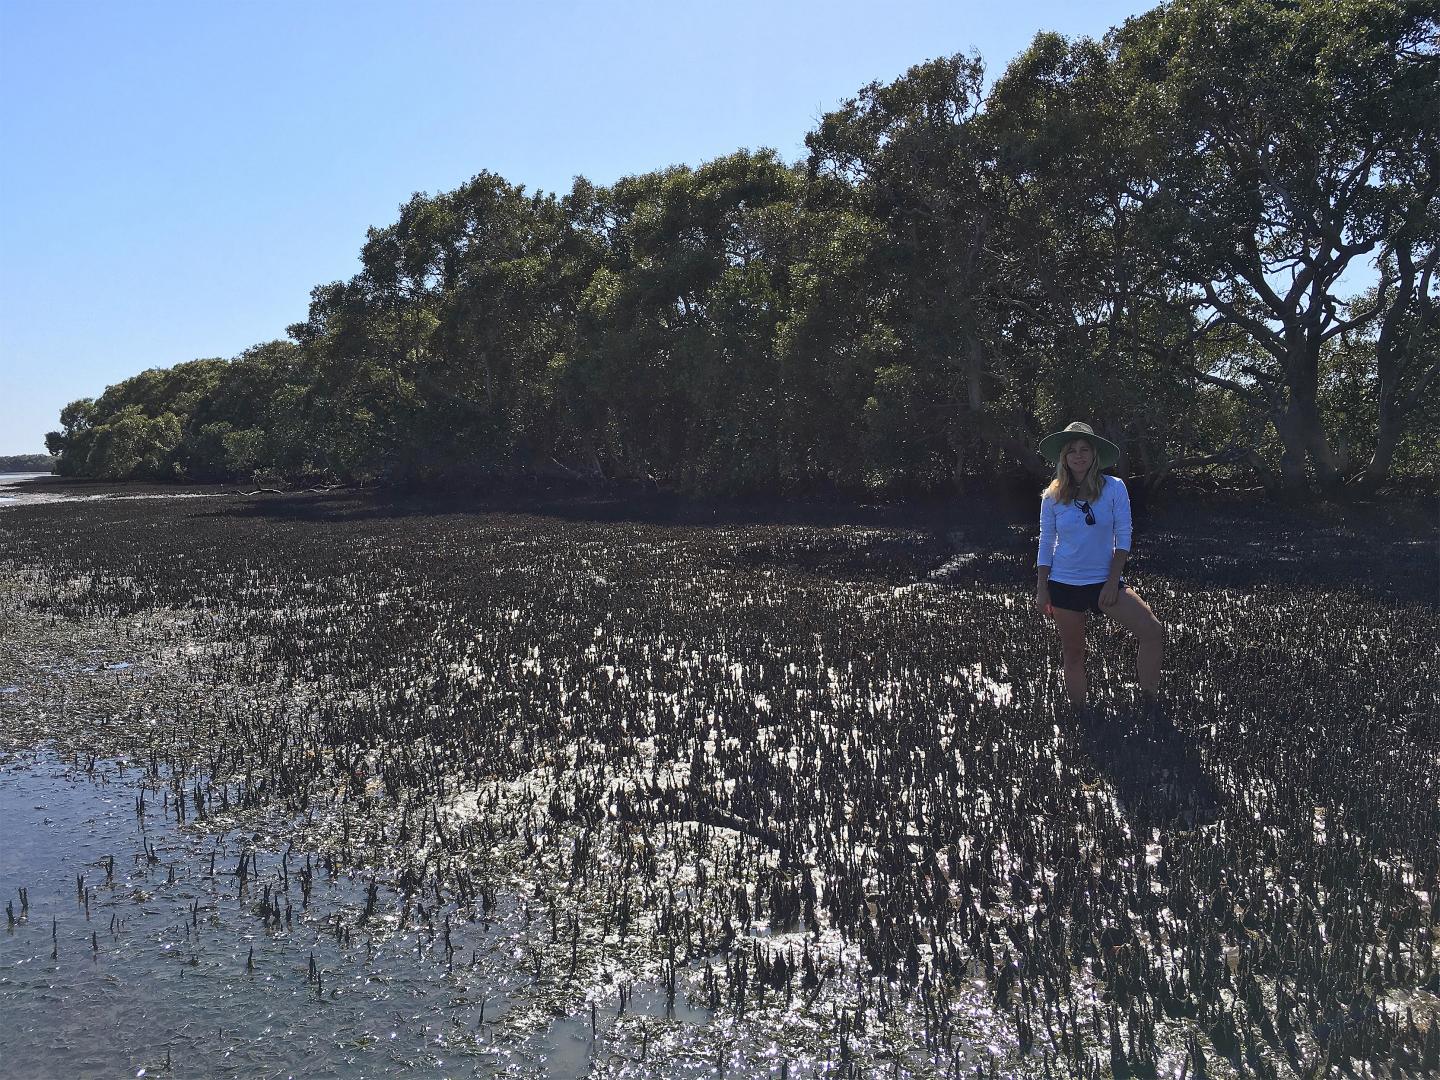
[[1071, 625], [1135, 615]]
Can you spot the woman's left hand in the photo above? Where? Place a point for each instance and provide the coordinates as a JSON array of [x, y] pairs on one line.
[[1109, 594]]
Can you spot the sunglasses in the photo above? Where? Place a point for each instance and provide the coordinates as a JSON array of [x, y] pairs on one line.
[[1089, 514]]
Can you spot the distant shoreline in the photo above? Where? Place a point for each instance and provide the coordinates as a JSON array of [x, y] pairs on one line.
[[26, 463]]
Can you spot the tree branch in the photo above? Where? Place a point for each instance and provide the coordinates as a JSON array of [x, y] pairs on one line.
[[1264, 336]]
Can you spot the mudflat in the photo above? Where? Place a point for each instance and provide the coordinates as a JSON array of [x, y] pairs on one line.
[[651, 786]]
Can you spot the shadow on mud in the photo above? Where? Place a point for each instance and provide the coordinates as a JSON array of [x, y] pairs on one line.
[[1154, 769]]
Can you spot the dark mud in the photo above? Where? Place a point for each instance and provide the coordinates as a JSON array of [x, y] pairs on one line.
[[782, 784]]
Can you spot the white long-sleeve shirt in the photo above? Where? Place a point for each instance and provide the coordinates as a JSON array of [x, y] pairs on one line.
[[1080, 554]]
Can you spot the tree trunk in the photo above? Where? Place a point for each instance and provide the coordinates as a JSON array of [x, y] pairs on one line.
[[1322, 455], [1377, 469], [1290, 427], [975, 368], [972, 432], [957, 474], [1302, 434]]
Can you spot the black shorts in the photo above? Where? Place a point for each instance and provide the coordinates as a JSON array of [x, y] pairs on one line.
[[1079, 597]]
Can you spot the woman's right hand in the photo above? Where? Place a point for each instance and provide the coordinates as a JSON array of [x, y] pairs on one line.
[[1042, 602]]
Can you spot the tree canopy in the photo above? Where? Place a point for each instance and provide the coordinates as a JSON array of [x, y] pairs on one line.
[[1212, 234]]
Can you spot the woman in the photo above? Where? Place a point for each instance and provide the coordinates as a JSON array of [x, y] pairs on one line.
[[1084, 542]]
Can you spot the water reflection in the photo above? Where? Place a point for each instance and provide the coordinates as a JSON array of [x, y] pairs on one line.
[[134, 945], [13, 492]]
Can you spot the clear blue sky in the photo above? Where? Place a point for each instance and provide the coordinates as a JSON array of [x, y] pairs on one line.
[[175, 177]]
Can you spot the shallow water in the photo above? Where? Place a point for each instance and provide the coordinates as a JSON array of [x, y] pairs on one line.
[[12, 494], [171, 967], [11, 497]]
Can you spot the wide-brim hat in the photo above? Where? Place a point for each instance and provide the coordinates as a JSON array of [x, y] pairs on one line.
[[1105, 450]]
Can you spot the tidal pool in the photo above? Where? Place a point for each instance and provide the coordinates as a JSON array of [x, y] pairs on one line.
[[135, 947], [13, 492]]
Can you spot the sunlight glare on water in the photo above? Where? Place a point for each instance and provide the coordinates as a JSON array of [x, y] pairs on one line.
[[159, 966]]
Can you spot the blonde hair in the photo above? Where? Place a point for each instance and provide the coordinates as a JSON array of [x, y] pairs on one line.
[[1063, 489]]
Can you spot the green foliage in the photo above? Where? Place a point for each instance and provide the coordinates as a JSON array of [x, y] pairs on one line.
[[130, 444], [1298, 140], [1147, 232]]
